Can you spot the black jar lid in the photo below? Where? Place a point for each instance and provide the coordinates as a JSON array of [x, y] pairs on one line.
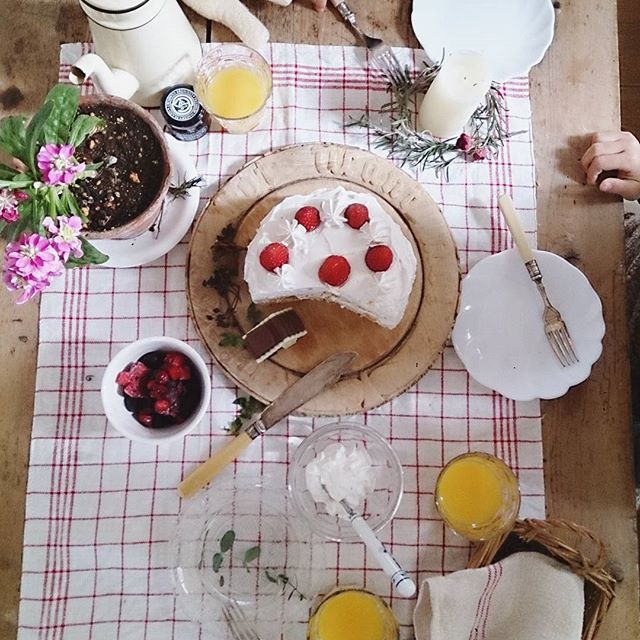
[[180, 107]]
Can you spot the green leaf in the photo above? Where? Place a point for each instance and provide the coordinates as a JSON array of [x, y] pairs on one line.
[[91, 255], [13, 137], [227, 540], [35, 134], [64, 101], [251, 554], [216, 562], [69, 204], [83, 127], [7, 173], [221, 581], [230, 339], [20, 181]]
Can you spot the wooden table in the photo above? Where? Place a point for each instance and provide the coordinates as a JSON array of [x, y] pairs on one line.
[[587, 441]]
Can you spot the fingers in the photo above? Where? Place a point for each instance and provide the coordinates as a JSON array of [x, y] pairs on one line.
[[320, 5], [603, 148], [629, 189], [615, 162]]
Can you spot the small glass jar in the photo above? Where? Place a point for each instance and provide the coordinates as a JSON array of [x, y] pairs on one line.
[[233, 83], [477, 495], [352, 614]]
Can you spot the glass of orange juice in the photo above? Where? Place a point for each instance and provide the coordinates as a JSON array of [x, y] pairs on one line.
[[352, 614], [477, 495], [233, 83]]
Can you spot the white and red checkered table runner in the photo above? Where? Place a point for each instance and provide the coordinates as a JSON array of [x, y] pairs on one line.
[[100, 508]]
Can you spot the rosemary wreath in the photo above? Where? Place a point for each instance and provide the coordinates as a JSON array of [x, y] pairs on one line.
[[487, 129]]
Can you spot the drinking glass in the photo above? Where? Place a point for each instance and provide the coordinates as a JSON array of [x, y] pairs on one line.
[[477, 495], [233, 83]]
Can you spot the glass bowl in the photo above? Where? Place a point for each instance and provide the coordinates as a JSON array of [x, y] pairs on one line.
[[274, 587], [379, 507]]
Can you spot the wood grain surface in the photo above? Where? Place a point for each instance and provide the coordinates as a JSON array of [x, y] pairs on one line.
[[575, 90], [388, 362]]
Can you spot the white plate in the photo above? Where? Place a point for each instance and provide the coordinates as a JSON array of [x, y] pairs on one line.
[[512, 34], [176, 219], [499, 334]]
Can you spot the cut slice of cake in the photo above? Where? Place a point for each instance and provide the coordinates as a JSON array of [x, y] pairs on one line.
[[333, 244]]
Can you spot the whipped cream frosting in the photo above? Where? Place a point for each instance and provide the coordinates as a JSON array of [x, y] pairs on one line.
[[381, 296], [346, 473]]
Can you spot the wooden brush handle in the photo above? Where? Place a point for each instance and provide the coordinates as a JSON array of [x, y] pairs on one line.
[[510, 215], [209, 469]]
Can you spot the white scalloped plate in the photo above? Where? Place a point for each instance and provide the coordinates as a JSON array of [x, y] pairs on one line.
[[513, 34], [499, 334]]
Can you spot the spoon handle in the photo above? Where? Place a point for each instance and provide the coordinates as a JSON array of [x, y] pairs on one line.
[[403, 584]]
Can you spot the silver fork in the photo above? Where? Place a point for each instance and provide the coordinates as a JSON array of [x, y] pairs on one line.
[[241, 628], [381, 54], [554, 326]]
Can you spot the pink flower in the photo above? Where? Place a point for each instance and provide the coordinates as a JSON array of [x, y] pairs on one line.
[[57, 164], [29, 264], [65, 240], [9, 201], [464, 142], [480, 154]]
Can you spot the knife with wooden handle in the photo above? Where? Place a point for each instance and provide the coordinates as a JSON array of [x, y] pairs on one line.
[[301, 391]]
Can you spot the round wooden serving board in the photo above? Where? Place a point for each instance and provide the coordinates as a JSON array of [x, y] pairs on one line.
[[389, 361]]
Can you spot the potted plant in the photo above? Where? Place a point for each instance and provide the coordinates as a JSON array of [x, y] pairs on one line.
[[83, 168]]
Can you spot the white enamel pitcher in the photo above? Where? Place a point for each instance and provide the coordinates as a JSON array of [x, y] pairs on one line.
[[142, 47]]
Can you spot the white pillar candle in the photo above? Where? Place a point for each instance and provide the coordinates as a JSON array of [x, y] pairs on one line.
[[455, 93]]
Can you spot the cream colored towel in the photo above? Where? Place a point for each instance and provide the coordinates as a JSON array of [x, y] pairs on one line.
[[527, 596]]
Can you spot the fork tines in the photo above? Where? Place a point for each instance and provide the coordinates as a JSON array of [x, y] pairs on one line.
[[236, 620], [562, 346]]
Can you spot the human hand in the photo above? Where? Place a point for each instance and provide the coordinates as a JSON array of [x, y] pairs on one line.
[[319, 5], [617, 151]]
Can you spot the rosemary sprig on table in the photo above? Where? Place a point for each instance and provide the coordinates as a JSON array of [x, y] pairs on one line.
[[182, 190], [396, 130], [249, 406]]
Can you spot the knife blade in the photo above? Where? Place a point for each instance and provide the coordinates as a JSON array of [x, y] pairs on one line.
[[302, 390]]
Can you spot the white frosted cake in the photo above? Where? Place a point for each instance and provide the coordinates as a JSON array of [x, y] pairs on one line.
[[334, 244]]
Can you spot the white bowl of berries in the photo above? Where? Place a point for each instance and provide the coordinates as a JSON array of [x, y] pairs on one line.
[[156, 389]]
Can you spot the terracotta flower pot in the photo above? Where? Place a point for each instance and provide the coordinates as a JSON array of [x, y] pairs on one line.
[[145, 219]]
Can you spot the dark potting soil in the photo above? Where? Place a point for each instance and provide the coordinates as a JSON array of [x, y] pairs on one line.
[[125, 188]]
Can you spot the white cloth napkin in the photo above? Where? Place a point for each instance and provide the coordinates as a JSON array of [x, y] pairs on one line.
[[527, 596]]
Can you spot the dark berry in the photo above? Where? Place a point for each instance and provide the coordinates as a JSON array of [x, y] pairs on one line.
[[145, 419]]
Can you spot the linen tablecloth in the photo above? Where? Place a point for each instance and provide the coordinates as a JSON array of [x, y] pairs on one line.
[[100, 508]]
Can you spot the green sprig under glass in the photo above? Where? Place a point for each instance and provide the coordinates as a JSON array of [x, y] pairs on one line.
[[394, 128]]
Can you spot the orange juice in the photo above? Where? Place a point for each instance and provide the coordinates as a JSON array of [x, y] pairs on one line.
[[477, 495], [352, 614], [233, 83], [235, 92]]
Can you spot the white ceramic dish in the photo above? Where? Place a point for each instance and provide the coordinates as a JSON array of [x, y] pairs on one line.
[[171, 227], [113, 403], [513, 34], [499, 334]]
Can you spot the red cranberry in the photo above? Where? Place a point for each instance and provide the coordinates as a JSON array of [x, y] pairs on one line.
[[175, 358], [145, 419], [162, 376], [174, 371], [162, 406]]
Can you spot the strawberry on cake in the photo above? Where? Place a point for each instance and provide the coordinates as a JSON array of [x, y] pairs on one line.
[[333, 244]]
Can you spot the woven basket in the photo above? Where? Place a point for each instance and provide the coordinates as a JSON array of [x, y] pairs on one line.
[[574, 545]]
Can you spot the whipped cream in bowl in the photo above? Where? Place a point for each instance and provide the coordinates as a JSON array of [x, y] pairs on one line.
[[345, 461]]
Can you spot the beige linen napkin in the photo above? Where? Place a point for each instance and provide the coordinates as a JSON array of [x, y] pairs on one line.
[[527, 596]]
